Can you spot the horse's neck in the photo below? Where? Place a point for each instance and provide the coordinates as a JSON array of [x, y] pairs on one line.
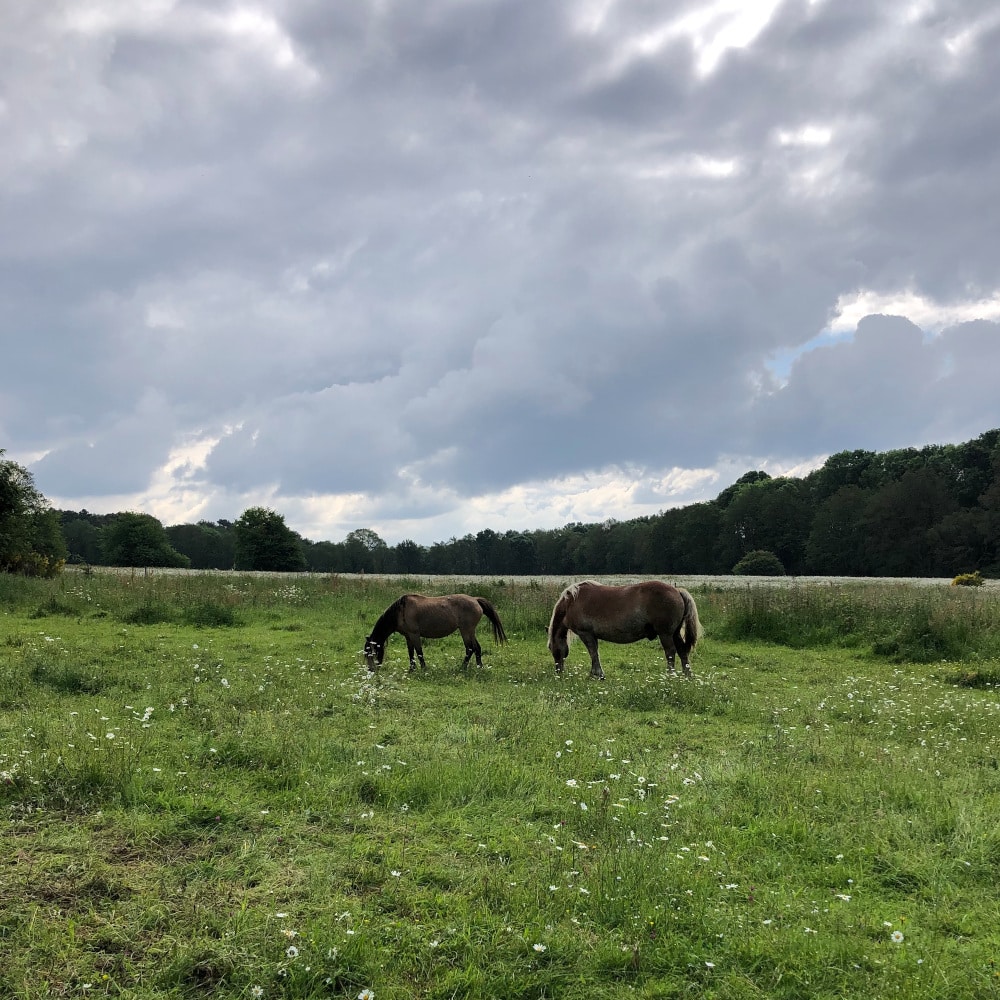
[[387, 624]]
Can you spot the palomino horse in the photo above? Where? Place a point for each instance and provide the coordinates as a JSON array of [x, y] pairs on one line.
[[648, 610], [417, 617]]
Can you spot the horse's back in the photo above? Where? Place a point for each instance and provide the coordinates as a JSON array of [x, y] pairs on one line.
[[436, 617], [625, 613]]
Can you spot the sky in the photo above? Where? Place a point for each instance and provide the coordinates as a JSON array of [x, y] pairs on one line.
[[429, 268]]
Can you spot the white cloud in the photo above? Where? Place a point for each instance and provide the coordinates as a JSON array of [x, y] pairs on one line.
[[925, 311]]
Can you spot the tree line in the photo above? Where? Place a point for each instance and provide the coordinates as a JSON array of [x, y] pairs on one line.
[[932, 511]]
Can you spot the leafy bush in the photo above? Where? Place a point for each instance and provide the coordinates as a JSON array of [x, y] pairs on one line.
[[209, 614], [760, 562], [149, 612], [968, 580]]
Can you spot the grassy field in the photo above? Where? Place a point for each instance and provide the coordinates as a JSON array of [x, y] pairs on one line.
[[204, 793]]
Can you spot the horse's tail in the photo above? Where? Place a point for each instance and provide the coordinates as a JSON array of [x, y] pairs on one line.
[[499, 635], [690, 623]]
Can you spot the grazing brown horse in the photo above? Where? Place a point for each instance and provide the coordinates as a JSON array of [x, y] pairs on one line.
[[647, 610], [417, 617]]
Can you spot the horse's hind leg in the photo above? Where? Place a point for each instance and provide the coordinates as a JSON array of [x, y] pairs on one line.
[[669, 651], [684, 651]]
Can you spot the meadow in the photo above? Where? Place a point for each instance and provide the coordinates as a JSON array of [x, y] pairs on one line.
[[204, 792]]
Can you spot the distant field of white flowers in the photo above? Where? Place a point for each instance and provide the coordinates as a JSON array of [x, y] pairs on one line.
[[727, 580]]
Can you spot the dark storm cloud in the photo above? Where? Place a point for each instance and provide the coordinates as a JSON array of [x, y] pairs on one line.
[[424, 254]]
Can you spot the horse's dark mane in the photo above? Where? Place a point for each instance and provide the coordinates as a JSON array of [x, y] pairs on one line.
[[386, 624]]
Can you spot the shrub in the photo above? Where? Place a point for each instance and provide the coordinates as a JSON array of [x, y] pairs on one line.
[[759, 563], [968, 580], [209, 614]]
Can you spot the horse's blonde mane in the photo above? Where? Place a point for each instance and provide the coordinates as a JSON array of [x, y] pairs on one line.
[[569, 594]]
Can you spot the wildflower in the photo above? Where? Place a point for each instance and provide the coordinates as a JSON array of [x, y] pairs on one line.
[[710, 965], [256, 992], [395, 874], [897, 937], [571, 783], [366, 994], [844, 897], [291, 951], [538, 947]]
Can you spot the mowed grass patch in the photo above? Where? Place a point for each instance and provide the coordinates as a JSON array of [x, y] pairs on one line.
[[242, 809]]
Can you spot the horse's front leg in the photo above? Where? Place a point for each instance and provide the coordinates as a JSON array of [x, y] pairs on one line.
[[590, 641], [411, 649]]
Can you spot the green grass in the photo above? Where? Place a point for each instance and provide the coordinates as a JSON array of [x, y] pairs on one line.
[[213, 795]]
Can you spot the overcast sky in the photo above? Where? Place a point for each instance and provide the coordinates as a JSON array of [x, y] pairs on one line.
[[433, 267]]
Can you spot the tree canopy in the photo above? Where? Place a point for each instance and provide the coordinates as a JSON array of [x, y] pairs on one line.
[[134, 539], [31, 541], [265, 542], [932, 511]]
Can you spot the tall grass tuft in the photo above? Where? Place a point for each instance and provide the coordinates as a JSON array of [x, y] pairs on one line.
[[904, 623]]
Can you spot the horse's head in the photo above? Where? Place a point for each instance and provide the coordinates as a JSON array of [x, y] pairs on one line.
[[374, 653], [558, 644]]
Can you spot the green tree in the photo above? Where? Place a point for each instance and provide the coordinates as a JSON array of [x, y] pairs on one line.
[[898, 519], [324, 557], [960, 543], [770, 514], [523, 558], [31, 539], [264, 542], [366, 551], [207, 545], [134, 539], [409, 557], [837, 542], [685, 540], [759, 563], [83, 540]]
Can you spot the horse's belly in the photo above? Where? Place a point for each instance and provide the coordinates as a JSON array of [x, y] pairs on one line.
[[628, 629], [436, 631], [621, 635]]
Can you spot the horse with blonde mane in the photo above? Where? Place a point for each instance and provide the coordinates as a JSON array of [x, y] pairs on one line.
[[648, 610]]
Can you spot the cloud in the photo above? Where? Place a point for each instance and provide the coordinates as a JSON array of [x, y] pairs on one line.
[[431, 268]]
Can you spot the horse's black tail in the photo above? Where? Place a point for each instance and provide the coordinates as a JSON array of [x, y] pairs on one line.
[[691, 625], [499, 635]]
